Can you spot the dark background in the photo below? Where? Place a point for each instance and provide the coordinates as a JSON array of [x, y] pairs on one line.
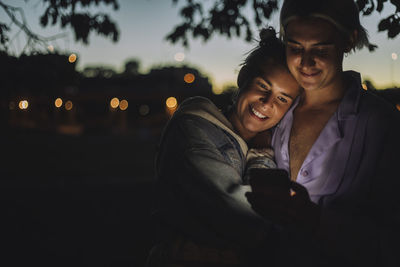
[[76, 200]]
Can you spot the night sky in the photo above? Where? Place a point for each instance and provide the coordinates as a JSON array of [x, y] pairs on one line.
[[144, 24]]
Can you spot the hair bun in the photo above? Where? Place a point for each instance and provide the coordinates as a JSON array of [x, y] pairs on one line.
[[267, 35]]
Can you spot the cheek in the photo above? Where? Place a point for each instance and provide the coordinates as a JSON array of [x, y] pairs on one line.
[[292, 60], [241, 106]]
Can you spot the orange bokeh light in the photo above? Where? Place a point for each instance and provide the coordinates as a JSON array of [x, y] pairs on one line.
[[72, 58], [171, 102], [189, 78], [23, 104], [114, 103], [123, 105], [69, 105], [58, 102]]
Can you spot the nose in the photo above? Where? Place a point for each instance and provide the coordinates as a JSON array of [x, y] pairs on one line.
[[307, 60], [266, 100]]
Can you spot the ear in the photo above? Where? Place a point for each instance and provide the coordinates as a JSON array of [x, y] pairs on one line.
[[351, 41]]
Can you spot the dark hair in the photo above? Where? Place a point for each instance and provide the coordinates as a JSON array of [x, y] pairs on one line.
[[270, 51]]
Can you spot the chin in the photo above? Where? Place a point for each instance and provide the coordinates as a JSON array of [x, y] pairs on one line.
[[308, 86]]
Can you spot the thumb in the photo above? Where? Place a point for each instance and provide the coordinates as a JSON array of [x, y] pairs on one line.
[[300, 191]]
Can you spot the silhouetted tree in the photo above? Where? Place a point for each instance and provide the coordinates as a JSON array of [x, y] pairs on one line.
[[227, 18], [74, 14], [223, 17], [98, 72], [132, 67], [38, 74]]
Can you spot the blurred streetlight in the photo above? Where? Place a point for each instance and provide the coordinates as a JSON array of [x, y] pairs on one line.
[[189, 77], [69, 105], [114, 103], [171, 102], [72, 58], [58, 102], [364, 86], [171, 105], [123, 105], [179, 56], [23, 104]]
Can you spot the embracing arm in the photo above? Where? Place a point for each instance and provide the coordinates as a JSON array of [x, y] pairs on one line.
[[201, 192]]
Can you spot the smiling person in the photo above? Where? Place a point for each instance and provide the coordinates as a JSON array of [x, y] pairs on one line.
[[338, 143], [205, 219]]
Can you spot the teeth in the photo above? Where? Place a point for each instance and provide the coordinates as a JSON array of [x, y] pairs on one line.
[[258, 114]]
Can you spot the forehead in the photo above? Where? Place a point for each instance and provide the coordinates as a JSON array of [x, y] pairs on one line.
[[311, 30], [280, 78]]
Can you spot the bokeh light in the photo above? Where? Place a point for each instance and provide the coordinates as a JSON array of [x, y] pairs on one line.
[[58, 102], [364, 86], [179, 56], [394, 56], [23, 104], [69, 105], [123, 105], [398, 106], [114, 103], [217, 90], [189, 78], [144, 110], [171, 102], [72, 58]]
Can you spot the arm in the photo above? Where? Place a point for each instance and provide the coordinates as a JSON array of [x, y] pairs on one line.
[[201, 192], [367, 222]]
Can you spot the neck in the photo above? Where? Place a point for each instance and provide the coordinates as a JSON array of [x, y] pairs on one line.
[[330, 94]]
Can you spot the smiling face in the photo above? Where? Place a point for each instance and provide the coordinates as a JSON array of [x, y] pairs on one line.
[[314, 51], [264, 102]]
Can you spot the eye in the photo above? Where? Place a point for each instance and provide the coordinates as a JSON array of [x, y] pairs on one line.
[[295, 50], [263, 86], [321, 52], [282, 99]]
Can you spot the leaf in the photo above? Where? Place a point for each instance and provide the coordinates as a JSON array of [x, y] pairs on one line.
[[44, 20], [380, 5], [390, 24]]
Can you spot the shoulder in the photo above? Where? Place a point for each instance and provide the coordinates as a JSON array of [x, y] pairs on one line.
[[378, 109]]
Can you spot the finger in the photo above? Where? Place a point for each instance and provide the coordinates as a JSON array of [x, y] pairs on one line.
[[300, 191], [275, 212]]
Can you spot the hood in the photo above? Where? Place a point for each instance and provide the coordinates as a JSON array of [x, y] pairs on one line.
[[204, 108]]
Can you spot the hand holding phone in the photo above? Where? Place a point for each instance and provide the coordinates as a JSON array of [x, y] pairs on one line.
[[266, 179]]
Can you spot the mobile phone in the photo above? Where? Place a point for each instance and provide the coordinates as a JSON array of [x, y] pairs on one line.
[[266, 178]]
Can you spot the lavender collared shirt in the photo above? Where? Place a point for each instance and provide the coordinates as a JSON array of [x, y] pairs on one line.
[[352, 171], [324, 166]]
